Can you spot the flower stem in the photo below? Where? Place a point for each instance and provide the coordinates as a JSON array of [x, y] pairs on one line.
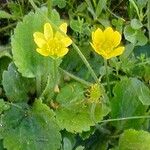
[[76, 78], [107, 77], [85, 62], [73, 44], [92, 113], [55, 74], [126, 118], [38, 84]]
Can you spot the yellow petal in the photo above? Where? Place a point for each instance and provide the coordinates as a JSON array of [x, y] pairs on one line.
[[108, 33], [63, 27], [116, 52], [48, 31], [39, 39], [67, 41], [95, 49], [116, 38], [98, 36], [43, 52], [99, 51], [62, 52]]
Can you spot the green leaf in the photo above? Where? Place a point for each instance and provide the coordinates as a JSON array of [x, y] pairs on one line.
[[77, 25], [3, 106], [5, 59], [4, 14], [135, 36], [80, 148], [75, 113], [80, 26], [67, 145], [130, 34], [59, 3], [142, 91], [17, 88], [1, 145], [69, 141], [136, 24], [55, 18], [78, 117], [134, 140], [70, 93], [127, 102], [26, 128], [141, 38], [29, 62], [142, 3], [100, 6]]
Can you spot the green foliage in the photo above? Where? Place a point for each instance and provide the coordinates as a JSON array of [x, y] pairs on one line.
[[75, 106], [5, 59], [130, 96], [17, 88], [81, 116], [57, 105], [75, 92], [36, 127], [79, 26], [3, 106], [136, 24], [59, 3], [135, 36], [4, 14], [28, 61], [132, 139]]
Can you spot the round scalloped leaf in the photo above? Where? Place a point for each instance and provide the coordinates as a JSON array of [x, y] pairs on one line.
[[16, 87], [29, 62], [134, 140], [130, 96], [70, 93], [27, 128], [79, 117]]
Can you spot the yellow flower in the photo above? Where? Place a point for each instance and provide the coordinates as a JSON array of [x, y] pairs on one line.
[[50, 43], [106, 43]]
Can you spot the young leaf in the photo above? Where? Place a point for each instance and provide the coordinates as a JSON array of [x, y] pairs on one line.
[[136, 24]]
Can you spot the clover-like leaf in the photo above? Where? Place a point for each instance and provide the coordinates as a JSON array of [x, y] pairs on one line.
[[136, 24], [135, 36]]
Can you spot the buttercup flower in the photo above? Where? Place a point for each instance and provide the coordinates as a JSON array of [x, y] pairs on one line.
[[106, 43], [50, 43]]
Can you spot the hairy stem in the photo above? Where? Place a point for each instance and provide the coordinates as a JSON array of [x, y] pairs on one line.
[[107, 77]]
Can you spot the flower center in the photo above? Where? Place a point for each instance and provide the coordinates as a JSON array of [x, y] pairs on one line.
[[107, 46], [54, 46]]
